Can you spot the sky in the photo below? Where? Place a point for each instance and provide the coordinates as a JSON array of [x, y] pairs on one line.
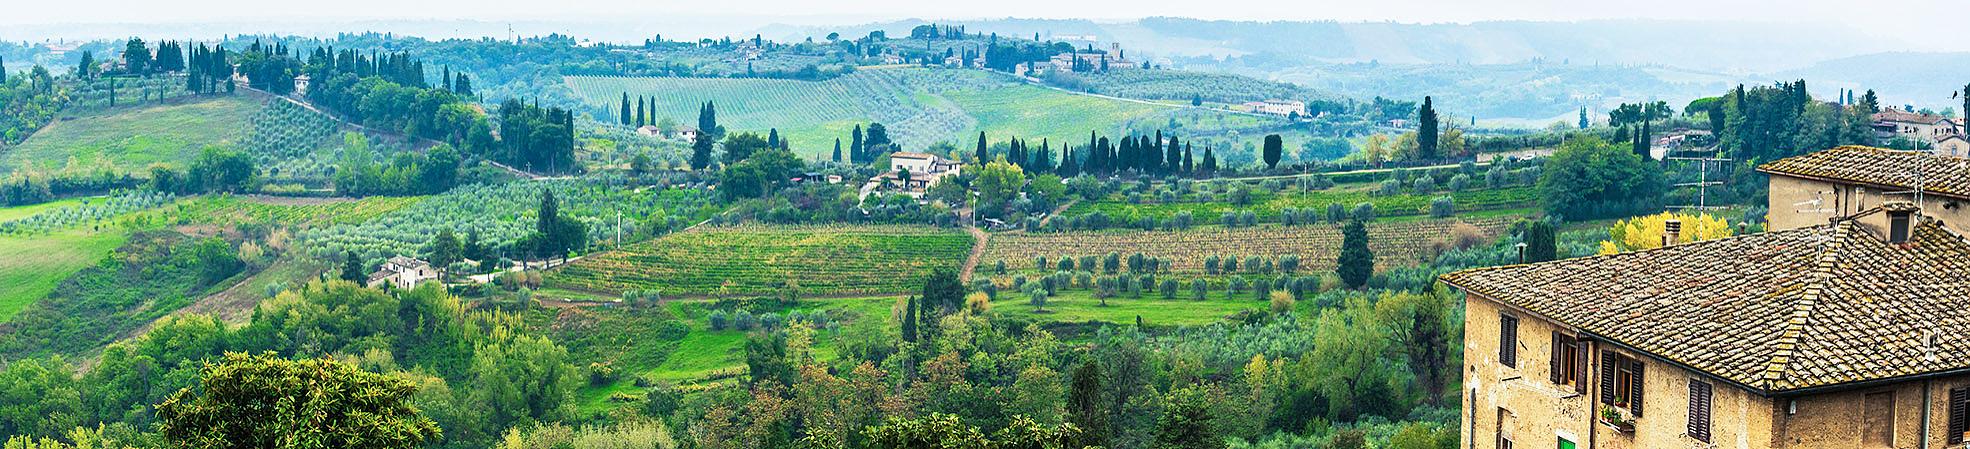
[[1908, 17]]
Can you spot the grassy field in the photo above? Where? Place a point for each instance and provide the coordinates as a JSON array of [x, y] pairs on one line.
[[230, 210], [15, 213], [1394, 243], [919, 106], [1267, 205], [31, 266], [132, 138], [759, 260]]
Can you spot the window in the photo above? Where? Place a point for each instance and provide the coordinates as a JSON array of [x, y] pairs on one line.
[[1504, 440], [1878, 420], [1699, 410], [1898, 223], [1959, 414], [1568, 364], [1621, 382], [1565, 444], [1508, 340]]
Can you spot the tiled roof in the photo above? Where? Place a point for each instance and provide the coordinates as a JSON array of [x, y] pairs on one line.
[[1776, 311], [1892, 115], [1880, 167]]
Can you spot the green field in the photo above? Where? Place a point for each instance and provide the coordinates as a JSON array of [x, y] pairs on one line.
[[15, 213], [1080, 306], [919, 106], [129, 139], [1267, 205], [31, 266], [760, 260]]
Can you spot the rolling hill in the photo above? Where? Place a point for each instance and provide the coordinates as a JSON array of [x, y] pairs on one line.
[[131, 138]]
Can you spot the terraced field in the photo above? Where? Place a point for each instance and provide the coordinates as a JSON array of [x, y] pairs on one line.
[[750, 260], [1394, 243]]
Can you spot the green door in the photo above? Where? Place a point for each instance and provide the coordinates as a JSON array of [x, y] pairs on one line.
[[1564, 444]]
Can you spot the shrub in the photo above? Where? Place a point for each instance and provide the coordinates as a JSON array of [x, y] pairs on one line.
[[718, 320], [1282, 302], [1336, 213], [1198, 288], [1363, 212], [1442, 207]]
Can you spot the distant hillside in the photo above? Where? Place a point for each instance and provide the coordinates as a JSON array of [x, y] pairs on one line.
[[1922, 79], [130, 138], [919, 107]]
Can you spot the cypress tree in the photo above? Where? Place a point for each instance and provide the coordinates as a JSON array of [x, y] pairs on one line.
[[1173, 157], [622, 116], [1356, 262], [1210, 161], [352, 268], [855, 155], [1274, 146], [1189, 163], [1540, 244], [640, 114], [1426, 133], [983, 153], [837, 157], [701, 151], [910, 321]]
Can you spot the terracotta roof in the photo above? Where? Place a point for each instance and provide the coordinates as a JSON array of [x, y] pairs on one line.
[[1778, 311], [1880, 167], [1893, 115], [911, 155]]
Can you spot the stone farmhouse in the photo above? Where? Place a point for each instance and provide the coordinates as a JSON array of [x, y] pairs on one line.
[[924, 170], [402, 272], [1848, 332], [1814, 188], [1933, 132]]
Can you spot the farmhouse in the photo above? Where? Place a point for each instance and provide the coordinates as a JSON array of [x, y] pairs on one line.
[[402, 272], [1814, 188], [650, 130], [913, 173], [1841, 328], [1276, 107], [1835, 335], [1928, 130], [684, 132]]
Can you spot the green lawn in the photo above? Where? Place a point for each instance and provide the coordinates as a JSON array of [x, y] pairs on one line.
[[31, 266], [130, 139]]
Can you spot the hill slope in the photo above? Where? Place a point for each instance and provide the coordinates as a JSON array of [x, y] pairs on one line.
[[132, 138]]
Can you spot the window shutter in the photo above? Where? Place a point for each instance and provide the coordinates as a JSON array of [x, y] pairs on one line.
[[1508, 341], [1580, 366], [1699, 410], [1553, 362], [1959, 414], [1607, 377], [1635, 395]]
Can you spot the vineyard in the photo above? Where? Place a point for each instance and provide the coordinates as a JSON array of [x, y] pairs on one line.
[[829, 260], [131, 139], [101, 92], [1394, 244], [1185, 86], [919, 106], [504, 213]]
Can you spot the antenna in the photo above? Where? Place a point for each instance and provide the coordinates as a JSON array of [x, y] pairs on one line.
[[1818, 204], [1703, 182]]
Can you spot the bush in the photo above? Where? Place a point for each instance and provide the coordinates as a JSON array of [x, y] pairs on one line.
[[1363, 212], [1199, 288], [1282, 302], [718, 320], [1336, 213], [1442, 207]]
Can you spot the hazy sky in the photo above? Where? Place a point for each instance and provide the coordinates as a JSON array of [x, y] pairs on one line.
[[1904, 15]]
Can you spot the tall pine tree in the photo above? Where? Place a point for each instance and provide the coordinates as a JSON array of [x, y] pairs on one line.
[[983, 154], [622, 116], [1356, 262], [1426, 133]]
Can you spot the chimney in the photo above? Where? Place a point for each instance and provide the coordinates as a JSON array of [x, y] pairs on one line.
[[1672, 230]]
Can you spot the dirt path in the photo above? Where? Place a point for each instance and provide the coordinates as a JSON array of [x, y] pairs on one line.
[[977, 251], [1057, 211]]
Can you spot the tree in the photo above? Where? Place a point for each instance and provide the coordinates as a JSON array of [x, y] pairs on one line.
[[767, 360], [1210, 165], [265, 401], [701, 151], [136, 57], [982, 154], [352, 269], [1187, 422], [40, 397], [1583, 118], [708, 120], [943, 291], [837, 154], [623, 116], [1870, 102], [1540, 242], [1356, 262], [1646, 232], [87, 68], [444, 250], [1426, 132], [1274, 146], [1085, 408], [1589, 178], [998, 184], [910, 321], [1423, 331]]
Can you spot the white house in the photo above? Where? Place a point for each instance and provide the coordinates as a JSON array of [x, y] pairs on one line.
[[923, 170], [402, 272], [1276, 107]]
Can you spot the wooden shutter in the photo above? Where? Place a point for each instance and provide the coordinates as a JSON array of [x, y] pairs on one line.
[[1699, 427], [1508, 341], [1959, 414], [1553, 363], [1580, 366], [1607, 377], [1635, 391]]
